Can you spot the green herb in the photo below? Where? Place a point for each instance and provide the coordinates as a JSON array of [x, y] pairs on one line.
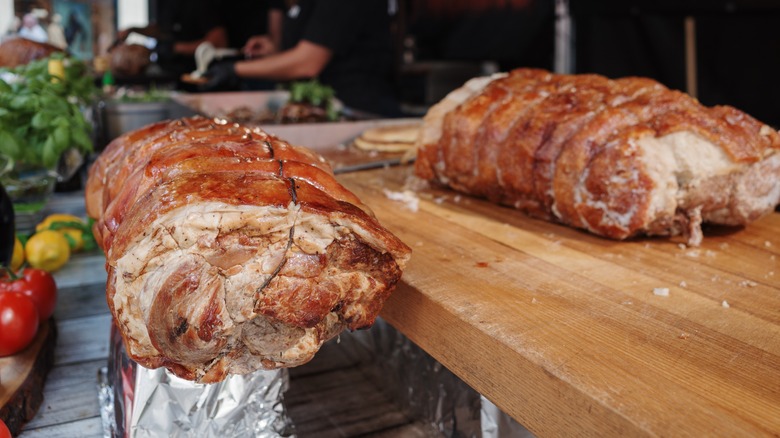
[[153, 94], [314, 93], [86, 232], [41, 115]]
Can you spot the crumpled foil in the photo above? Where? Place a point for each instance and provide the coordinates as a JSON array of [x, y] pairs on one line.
[[497, 424], [426, 390], [139, 402]]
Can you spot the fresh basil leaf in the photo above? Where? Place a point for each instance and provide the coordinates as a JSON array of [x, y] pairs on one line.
[[8, 145], [49, 154], [41, 120], [81, 139], [61, 136], [21, 102]]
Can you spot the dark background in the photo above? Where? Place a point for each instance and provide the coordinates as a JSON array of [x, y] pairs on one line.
[[738, 42]]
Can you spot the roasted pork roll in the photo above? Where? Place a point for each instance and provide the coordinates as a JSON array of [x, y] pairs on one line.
[[20, 51], [619, 158], [229, 250]]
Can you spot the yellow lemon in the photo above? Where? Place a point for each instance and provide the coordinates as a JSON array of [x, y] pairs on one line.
[[75, 236], [56, 69], [47, 250], [18, 258]]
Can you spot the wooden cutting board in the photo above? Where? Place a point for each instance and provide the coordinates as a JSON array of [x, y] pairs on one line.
[[22, 377], [567, 332]]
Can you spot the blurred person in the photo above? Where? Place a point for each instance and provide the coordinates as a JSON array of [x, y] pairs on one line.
[[32, 30], [345, 44], [179, 28], [247, 19], [56, 32]]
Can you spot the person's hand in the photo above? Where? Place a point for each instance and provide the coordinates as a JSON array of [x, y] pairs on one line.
[[221, 77], [122, 34], [257, 46], [149, 31]]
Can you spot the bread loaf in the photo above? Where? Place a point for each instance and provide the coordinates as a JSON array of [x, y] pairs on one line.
[[229, 250], [618, 158]]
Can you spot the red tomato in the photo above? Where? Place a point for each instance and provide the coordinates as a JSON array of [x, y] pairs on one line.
[[4, 432], [39, 286], [18, 322]]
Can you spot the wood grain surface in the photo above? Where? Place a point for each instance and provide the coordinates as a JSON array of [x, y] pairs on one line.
[[570, 333], [22, 376]]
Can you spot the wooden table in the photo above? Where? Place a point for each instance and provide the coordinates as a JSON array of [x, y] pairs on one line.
[[560, 329], [70, 405], [571, 334]]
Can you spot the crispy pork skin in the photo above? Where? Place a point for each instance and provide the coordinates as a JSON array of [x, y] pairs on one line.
[[618, 158], [229, 250]]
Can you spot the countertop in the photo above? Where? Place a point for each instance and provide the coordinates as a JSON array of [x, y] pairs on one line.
[[569, 333], [576, 335]]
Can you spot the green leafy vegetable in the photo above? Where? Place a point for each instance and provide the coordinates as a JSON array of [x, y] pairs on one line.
[[150, 95], [41, 115], [314, 93]]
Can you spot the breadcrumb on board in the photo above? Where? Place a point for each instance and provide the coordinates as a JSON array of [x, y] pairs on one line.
[[661, 291], [407, 197]]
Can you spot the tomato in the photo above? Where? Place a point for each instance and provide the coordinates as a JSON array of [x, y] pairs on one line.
[[18, 322], [4, 432], [39, 286]]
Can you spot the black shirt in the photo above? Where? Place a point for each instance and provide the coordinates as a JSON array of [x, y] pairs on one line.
[[247, 18], [188, 20], [357, 32], [183, 21]]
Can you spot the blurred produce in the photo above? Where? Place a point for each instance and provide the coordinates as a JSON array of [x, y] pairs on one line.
[[41, 115], [70, 226]]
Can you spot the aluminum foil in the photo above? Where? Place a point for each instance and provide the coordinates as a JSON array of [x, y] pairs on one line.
[[426, 390], [139, 402], [497, 424]]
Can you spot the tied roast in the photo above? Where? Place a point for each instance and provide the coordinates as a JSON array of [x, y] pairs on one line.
[[618, 158], [229, 250]]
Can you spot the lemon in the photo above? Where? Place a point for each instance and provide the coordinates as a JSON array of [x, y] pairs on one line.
[[56, 69], [18, 258], [48, 250], [74, 236]]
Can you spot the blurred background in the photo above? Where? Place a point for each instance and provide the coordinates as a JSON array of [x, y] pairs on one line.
[[722, 52]]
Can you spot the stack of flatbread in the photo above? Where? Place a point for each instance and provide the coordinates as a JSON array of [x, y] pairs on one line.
[[389, 138]]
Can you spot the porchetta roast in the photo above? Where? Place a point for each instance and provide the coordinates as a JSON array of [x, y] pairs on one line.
[[618, 158], [229, 250]]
